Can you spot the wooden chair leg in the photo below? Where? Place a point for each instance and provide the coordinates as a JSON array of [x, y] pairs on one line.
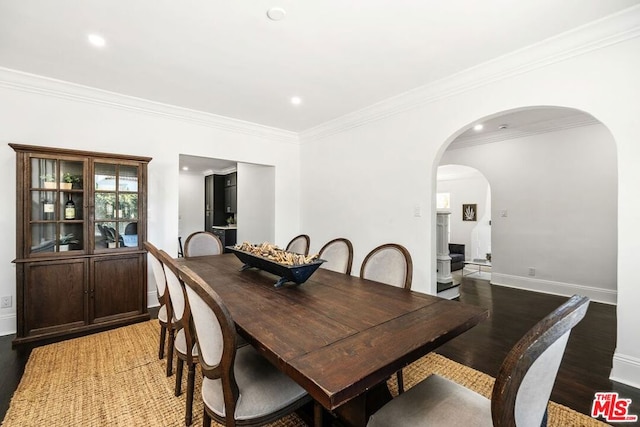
[[170, 352], [191, 380], [163, 338], [179, 369], [317, 414], [400, 378], [206, 419]]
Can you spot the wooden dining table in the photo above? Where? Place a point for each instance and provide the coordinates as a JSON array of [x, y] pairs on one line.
[[340, 337]]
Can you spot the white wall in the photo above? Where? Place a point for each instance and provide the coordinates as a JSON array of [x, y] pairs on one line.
[[190, 204], [40, 111], [559, 190], [256, 204], [475, 235], [364, 174]]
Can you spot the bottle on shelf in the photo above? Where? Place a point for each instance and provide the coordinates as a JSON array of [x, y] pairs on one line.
[[47, 210], [70, 209]]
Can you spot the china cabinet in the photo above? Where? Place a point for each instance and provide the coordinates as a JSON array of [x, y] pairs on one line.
[[81, 224]]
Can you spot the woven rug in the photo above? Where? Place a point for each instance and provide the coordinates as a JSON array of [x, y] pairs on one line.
[[115, 378]]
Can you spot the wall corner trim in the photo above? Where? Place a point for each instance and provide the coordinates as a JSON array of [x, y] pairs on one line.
[[626, 370], [8, 324]]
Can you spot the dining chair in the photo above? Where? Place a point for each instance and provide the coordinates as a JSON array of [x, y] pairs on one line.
[[185, 345], [202, 243], [338, 255], [165, 312], [239, 387], [299, 244], [521, 391], [391, 264]]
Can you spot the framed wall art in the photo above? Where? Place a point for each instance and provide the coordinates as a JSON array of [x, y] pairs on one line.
[[470, 212]]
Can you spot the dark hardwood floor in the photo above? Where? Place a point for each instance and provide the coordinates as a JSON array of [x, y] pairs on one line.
[[585, 368], [587, 360]]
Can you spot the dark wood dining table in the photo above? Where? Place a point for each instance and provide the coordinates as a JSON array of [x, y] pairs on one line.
[[338, 336]]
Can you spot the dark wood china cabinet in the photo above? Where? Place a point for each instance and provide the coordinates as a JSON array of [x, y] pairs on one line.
[[81, 225]]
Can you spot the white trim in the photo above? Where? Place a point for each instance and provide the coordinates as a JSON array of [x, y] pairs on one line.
[[599, 34], [152, 299], [626, 370], [25, 82], [8, 324], [606, 296]]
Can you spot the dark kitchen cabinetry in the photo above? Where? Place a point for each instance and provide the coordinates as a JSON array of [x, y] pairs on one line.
[[81, 222], [226, 235], [220, 199], [230, 193]]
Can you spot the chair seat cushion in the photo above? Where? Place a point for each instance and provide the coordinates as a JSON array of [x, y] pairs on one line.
[[263, 388], [435, 401], [180, 344]]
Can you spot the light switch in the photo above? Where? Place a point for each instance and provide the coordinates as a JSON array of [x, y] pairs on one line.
[[417, 211]]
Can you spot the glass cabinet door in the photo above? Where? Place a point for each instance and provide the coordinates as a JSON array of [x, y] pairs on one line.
[[116, 206], [56, 208]]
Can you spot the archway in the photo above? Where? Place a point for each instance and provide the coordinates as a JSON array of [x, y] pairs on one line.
[[553, 174]]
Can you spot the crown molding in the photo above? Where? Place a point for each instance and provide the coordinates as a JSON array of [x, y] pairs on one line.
[[555, 125], [32, 83], [607, 31]]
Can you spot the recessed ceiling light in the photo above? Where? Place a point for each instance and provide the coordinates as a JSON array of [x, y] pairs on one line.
[[276, 13], [478, 127], [97, 40], [296, 100], [185, 168]]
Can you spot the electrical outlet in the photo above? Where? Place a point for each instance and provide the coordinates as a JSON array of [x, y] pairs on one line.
[[532, 271], [5, 302]]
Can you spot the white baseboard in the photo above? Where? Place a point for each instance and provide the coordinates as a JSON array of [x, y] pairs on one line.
[[626, 370], [606, 296], [152, 299], [7, 324]]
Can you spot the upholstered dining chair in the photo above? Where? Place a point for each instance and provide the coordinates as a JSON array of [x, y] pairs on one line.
[[299, 244], [239, 387], [202, 243], [391, 264], [338, 255], [521, 391], [185, 345], [165, 312]]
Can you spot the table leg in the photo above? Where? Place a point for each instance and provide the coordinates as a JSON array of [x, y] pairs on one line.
[[357, 411]]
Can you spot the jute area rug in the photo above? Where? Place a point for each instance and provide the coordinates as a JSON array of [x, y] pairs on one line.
[[115, 378]]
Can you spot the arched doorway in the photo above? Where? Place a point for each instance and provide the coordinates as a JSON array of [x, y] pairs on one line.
[[553, 175], [465, 193]]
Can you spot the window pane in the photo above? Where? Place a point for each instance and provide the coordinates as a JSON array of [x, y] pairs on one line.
[[128, 178], [105, 206], [105, 177], [106, 235], [43, 205], [43, 173], [43, 238], [128, 206], [129, 233]]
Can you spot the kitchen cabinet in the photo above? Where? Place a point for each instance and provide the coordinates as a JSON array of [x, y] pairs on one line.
[[227, 235], [81, 223]]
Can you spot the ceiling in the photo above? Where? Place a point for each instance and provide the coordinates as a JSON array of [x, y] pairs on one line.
[[228, 58]]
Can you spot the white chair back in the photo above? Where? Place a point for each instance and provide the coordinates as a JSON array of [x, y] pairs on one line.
[[158, 274], [175, 293], [338, 256], [208, 330], [390, 264], [202, 243], [299, 245]]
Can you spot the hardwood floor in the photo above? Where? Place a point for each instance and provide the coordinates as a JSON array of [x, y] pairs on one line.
[[585, 368], [586, 364]]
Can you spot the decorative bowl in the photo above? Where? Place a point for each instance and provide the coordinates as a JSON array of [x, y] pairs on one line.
[[297, 274]]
